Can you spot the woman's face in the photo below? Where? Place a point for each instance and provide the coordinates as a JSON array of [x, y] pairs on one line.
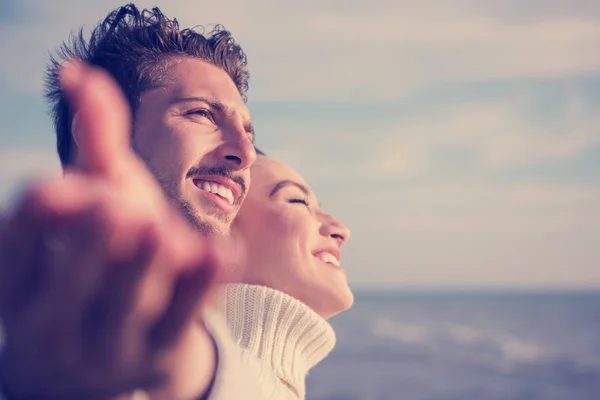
[[291, 244]]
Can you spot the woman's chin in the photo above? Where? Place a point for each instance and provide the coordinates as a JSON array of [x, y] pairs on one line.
[[336, 303]]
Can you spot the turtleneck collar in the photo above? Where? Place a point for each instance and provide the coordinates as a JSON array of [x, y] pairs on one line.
[[278, 329]]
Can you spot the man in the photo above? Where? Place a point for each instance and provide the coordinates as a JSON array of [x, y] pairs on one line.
[[100, 277]]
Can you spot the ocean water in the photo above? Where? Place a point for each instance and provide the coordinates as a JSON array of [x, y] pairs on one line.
[[421, 346]]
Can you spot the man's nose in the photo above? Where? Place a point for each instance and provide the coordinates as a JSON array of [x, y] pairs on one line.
[[237, 149]]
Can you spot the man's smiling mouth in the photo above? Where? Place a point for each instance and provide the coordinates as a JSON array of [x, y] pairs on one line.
[[215, 188]]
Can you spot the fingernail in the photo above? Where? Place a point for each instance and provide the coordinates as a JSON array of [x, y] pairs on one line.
[[70, 73], [75, 125]]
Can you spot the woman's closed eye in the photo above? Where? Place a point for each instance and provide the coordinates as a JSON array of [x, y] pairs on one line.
[[299, 201]]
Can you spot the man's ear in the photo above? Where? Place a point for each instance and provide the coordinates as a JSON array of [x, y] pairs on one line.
[[75, 139], [75, 129]]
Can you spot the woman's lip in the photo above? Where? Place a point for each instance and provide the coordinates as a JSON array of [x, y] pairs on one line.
[[328, 258], [330, 265], [334, 252]]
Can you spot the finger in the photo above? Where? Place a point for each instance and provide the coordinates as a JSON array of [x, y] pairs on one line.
[[233, 253], [27, 234], [20, 275], [93, 386], [23, 239], [191, 288], [3, 222], [102, 120], [146, 378], [106, 319], [70, 257], [184, 247], [59, 197], [78, 266]]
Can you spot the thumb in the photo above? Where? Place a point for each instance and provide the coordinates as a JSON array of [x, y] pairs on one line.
[[102, 120]]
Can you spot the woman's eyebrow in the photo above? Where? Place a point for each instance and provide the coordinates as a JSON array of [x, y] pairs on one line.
[[280, 185]]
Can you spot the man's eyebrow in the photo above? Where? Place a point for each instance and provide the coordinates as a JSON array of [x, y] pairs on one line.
[[280, 185], [211, 102], [217, 106]]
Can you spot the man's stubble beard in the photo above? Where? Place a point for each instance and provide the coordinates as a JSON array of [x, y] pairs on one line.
[[194, 219], [189, 213]]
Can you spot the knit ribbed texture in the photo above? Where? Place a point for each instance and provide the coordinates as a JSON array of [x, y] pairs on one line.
[[287, 337]]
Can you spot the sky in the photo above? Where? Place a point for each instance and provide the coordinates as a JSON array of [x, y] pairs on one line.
[[459, 140]]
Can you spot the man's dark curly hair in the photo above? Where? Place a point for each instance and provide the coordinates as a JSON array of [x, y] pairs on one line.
[[135, 47]]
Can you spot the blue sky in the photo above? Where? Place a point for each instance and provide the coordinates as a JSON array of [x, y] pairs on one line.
[[460, 140]]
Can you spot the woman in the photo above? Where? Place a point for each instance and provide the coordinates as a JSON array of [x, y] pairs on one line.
[[292, 281]]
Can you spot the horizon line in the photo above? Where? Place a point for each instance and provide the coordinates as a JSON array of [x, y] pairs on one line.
[[475, 290]]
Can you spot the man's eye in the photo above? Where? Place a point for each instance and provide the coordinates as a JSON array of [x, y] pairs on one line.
[[202, 112]]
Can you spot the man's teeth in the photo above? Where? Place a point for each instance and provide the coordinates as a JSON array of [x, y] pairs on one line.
[[328, 258], [216, 188]]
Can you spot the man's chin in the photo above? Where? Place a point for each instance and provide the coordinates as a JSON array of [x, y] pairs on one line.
[[205, 224], [204, 227], [211, 227]]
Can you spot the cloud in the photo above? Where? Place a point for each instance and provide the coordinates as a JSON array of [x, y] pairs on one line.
[[461, 137], [333, 51], [386, 109], [468, 207], [471, 259], [495, 134]]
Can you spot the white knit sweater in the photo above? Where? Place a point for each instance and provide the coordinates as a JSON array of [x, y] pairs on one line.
[[266, 344], [280, 337]]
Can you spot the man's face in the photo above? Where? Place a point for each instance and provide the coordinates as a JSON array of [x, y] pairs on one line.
[[196, 136]]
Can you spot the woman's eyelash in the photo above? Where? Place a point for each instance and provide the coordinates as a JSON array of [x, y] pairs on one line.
[[299, 201]]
